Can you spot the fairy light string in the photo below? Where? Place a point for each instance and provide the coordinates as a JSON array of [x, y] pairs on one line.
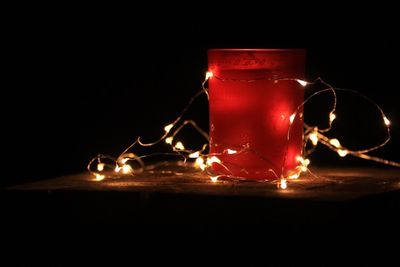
[[105, 166]]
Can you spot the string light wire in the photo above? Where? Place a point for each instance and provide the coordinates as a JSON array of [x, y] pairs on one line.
[[204, 161]]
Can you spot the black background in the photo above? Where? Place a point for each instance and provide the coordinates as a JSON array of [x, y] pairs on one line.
[[80, 80], [83, 81]]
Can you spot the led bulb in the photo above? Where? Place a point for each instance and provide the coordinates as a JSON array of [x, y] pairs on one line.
[[313, 137], [179, 146], [300, 159], [301, 82], [214, 179], [212, 160], [99, 177], [291, 118], [387, 122], [199, 161], [332, 117], [100, 167], [283, 184], [194, 155], [209, 75], [334, 142], [342, 152], [168, 127], [168, 140], [231, 151], [126, 169], [203, 167]]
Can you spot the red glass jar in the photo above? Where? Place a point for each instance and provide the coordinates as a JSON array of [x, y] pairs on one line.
[[253, 93]]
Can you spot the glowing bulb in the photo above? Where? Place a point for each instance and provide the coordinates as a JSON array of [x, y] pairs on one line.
[[294, 176], [100, 167], [301, 82], [209, 75], [100, 177], [125, 160], [203, 167], [231, 151], [291, 118], [313, 137], [117, 169], [168, 140], [179, 146], [199, 161], [300, 159], [387, 122], [214, 179], [303, 168], [342, 152], [334, 142], [194, 155], [332, 117], [168, 127], [283, 184], [213, 159], [126, 169]]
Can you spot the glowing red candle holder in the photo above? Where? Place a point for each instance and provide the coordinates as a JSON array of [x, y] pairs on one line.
[[253, 93]]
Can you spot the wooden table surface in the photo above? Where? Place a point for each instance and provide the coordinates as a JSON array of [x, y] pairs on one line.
[[179, 194], [330, 184]]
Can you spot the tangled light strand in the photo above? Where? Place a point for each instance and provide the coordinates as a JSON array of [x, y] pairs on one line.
[[203, 161]]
